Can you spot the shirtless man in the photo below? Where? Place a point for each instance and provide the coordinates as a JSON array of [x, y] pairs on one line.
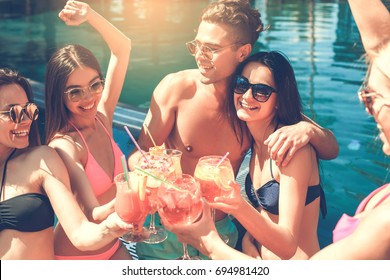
[[188, 109]]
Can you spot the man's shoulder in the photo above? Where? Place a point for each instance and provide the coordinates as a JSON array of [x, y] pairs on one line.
[[184, 77], [178, 83]]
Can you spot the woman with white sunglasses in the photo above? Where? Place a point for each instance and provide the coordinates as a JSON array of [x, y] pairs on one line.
[[80, 104], [35, 185]]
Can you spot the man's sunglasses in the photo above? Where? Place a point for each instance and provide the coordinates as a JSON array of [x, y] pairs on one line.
[[75, 94], [15, 112], [260, 92], [194, 46]]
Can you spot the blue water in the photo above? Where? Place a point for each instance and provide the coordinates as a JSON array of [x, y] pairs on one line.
[[319, 37]]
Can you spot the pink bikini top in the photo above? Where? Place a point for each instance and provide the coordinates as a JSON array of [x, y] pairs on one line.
[[347, 224], [97, 177]]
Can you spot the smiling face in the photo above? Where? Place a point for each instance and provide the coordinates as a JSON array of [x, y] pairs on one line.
[[248, 109], [379, 81], [82, 77], [226, 54], [12, 134]]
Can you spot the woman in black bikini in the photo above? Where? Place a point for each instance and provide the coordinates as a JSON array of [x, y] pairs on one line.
[[35, 185]]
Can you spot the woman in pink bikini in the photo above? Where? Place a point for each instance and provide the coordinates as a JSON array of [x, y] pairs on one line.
[[80, 105], [366, 235]]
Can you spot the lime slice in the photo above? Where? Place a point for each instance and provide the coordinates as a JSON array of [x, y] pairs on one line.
[[142, 187], [134, 178], [222, 176]]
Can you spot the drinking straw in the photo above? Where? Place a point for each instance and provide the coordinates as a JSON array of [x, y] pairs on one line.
[[135, 143], [157, 178], [125, 170], [150, 135], [222, 159]]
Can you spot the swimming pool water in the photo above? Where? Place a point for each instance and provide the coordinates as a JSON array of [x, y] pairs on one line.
[[319, 36]]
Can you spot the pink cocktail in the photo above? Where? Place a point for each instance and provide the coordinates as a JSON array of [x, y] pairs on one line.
[[160, 166], [214, 174], [179, 202], [181, 205], [132, 204]]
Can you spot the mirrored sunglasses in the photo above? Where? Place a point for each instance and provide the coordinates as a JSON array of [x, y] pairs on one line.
[[260, 92], [75, 94], [16, 112]]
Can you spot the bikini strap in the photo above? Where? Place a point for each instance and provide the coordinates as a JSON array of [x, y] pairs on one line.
[[104, 127], [270, 159], [5, 170], [81, 135], [383, 198]]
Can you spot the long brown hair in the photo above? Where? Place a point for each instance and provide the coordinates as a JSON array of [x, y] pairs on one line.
[[62, 63]]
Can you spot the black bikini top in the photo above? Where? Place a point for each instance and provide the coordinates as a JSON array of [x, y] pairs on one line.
[[268, 195], [26, 212]]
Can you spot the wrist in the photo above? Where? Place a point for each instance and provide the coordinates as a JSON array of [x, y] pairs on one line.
[[210, 243], [89, 12], [106, 230], [237, 211], [309, 128]]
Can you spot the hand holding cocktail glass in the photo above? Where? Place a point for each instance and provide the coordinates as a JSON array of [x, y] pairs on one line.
[[159, 166], [131, 204], [179, 203], [214, 174], [229, 204], [192, 233], [161, 163]]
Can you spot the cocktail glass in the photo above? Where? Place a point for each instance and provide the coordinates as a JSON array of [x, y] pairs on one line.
[[214, 173], [175, 156], [159, 165], [179, 202], [132, 204]]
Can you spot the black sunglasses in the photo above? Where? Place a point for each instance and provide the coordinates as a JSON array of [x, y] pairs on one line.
[[260, 92], [16, 112]]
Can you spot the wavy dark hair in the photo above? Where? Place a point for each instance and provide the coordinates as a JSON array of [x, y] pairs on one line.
[[62, 63], [288, 102], [9, 77], [239, 15]]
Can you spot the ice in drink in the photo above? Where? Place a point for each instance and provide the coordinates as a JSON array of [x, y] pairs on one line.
[[160, 166], [180, 203]]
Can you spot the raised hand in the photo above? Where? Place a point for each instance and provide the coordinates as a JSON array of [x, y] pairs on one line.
[[74, 13]]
